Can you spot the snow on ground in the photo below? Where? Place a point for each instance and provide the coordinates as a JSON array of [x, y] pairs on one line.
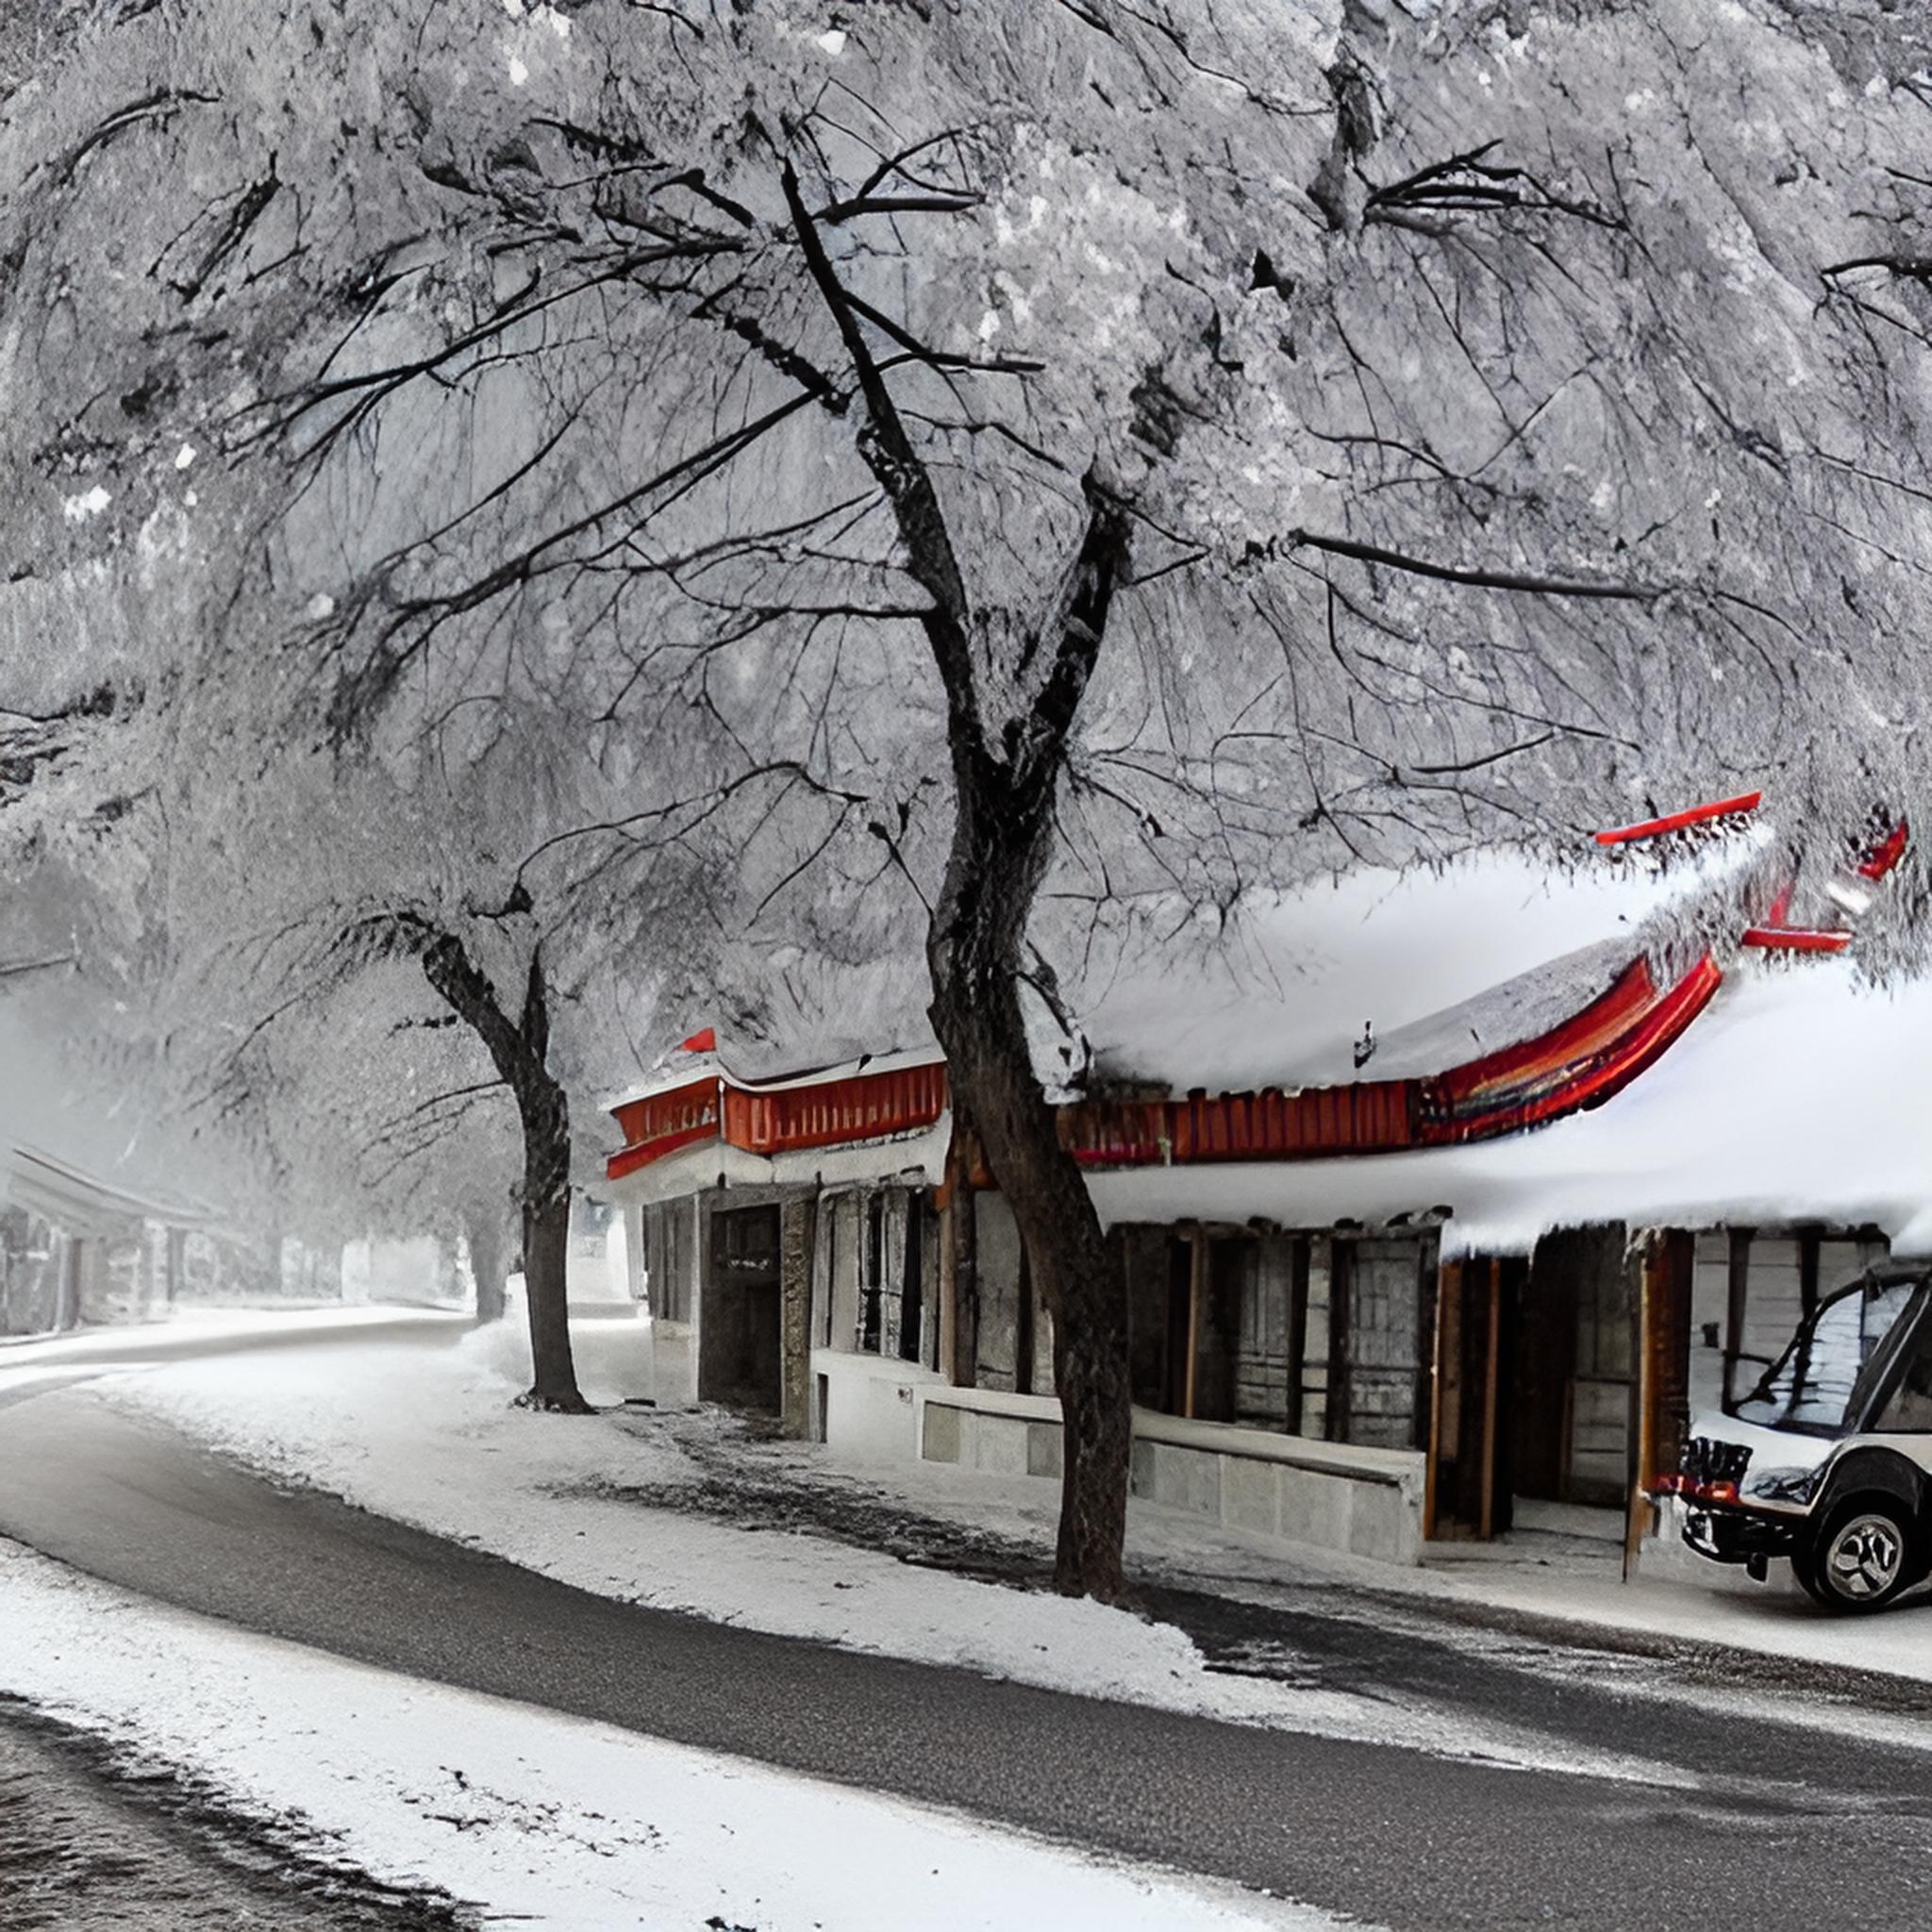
[[201, 1328], [549, 1820], [428, 1438], [405, 1430], [426, 1433]]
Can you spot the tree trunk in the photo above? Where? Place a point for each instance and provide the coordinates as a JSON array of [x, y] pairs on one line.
[[972, 954], [489, 1263], [521, 1050], [546, 1248], [975, 952], [1006, 771]]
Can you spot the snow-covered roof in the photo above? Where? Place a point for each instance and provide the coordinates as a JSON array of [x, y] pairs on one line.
[[83, 1203], [1798, 1095], [1441, 967]]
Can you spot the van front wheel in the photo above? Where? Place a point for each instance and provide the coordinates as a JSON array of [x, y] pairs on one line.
[[1861, 1557]]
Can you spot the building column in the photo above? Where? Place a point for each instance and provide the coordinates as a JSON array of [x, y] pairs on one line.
[[1663, 1399], [1466, 1491], [70, 1282], [797, 1219]]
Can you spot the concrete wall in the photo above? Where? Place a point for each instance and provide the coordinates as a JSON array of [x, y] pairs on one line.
[[1364, 1509], [868, 1405], [1366, 1502], [996, 1434]]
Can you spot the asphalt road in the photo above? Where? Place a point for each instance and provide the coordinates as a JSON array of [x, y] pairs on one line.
[[1788, 1827]]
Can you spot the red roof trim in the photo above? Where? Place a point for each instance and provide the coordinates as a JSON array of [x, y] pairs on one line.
[[1608, 1073], [1678, 820], [880, 1106], [1606, 1018], [1887, 853], [628, 1159], [1795, 939]]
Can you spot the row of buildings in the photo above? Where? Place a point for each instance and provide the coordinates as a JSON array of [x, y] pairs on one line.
[[1366, 1313], [78, 1250]]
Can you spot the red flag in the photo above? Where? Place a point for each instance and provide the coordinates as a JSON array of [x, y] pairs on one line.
[[705, 1042]]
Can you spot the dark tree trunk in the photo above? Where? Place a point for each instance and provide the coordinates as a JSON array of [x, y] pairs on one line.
[[1006, 763], [975, 951], [973, 956], [546, 1249], [1080, 1273], [489, 1263], [520, 1048]]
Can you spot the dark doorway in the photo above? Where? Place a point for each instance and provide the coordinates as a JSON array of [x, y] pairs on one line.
[[913, 1298], [1228, 1286], [1472, 1428], [1569, 1388], [741, 1359], [1180, 1278]]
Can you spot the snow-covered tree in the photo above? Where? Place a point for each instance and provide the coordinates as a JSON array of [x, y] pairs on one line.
[[1104, 459]]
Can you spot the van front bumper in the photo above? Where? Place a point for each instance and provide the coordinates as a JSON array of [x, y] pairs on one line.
[[1737, 1536]]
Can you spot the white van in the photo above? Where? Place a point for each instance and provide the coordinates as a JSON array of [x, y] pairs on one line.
[[1828, 1461]]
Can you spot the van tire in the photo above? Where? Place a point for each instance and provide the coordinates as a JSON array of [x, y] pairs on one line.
[[1864, 1554]]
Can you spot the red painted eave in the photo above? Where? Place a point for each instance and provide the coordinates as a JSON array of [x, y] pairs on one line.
[[884, 1104]]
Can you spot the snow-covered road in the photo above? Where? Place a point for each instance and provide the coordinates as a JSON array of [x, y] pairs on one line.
[[615, 1504], [547, 1819], [1796, 1815]]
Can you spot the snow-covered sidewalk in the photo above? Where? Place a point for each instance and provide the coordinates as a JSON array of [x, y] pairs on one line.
[[536, 1817]]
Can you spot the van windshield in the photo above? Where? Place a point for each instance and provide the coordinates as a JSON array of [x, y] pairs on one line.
[[1827, 1372]]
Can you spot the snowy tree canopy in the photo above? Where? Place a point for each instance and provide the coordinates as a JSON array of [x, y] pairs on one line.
[[1512, 404]]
